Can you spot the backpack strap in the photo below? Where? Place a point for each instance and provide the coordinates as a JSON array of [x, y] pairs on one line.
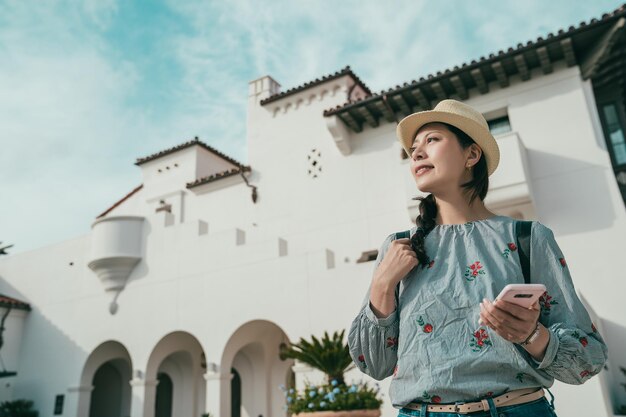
[[522, 233], [403, 235]]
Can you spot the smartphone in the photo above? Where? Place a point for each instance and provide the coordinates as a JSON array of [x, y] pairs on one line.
[[523, 295]]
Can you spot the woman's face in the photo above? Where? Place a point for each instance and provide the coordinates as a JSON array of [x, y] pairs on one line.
[[438, 147]]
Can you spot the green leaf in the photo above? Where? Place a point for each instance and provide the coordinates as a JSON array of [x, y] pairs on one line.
[[328, 354]]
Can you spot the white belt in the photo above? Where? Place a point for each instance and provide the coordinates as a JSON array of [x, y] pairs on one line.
[[519, 396]]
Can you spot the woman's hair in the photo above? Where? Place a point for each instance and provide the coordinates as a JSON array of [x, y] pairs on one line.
[[477, 187]]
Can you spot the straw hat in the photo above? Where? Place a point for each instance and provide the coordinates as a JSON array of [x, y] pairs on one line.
[[457, 114]]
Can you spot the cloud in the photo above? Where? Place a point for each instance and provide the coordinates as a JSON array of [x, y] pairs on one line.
[[61, 117], [385, 44]]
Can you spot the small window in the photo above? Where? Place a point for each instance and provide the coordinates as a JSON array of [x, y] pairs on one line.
[[615, 133], [499, 125], [58, 405], [368, 256]]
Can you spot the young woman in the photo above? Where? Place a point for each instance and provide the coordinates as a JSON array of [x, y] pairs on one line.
[[428, 320]]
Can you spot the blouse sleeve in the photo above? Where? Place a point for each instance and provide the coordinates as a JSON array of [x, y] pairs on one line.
[[575, 351], [373, 341]]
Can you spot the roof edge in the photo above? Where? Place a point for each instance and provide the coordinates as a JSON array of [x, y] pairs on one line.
[[13, 303], [492, 57], [120, 201], [316, 82], [194, 141], [219, 175]]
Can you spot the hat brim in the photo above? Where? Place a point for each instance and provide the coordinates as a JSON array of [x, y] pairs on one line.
[[408, 127]]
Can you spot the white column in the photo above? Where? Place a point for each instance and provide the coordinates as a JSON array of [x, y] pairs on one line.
[[217, 393], [143, 396], [78, 401]]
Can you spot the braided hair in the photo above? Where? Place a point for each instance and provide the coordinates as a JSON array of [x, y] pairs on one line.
[[477, 187]]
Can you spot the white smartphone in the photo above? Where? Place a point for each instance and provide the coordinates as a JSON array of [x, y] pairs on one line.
[[523, 295]]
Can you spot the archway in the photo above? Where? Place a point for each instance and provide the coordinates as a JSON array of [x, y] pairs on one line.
[[177, 360], [106, 376], [252, 352]]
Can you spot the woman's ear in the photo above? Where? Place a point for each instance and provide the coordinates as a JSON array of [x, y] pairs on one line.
[[474, 154]]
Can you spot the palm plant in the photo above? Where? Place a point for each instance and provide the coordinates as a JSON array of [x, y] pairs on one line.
[[329, 355], [17, 408]]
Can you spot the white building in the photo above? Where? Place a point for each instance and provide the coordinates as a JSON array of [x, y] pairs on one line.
[[176, 302]]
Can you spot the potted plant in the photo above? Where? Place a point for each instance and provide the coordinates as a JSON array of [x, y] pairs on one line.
[[331, 356], [18, 408]]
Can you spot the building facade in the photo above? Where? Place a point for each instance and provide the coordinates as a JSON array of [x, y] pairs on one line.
[[177, 301]]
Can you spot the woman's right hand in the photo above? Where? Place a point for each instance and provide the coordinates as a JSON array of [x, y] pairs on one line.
[[396, 264], [399, 259]]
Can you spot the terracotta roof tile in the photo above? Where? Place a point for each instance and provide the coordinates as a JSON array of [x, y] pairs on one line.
[[520, 47], [218, 176], [120, 201], [6, 301], [193, 142], [317, 81]]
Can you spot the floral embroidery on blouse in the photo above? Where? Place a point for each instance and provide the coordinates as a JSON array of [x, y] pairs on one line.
[[433, 398], [511, 248], [426, 327], [473, 270], [583, 340], [431, 263], [480, 339], [546, 302], [563, 263], [392, 342], [362, 361]]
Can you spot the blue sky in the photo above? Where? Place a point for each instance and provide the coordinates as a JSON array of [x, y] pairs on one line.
[[87, 87]]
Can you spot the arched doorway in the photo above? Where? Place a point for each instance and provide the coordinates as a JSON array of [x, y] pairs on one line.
[[177, 362], [251, 355], [164, 394], [107, 371], [106, 397]]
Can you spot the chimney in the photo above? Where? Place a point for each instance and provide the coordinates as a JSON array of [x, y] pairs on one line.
[[262, 88], [258, 116]]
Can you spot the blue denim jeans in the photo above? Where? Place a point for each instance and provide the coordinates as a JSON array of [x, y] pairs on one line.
[[537, 408]]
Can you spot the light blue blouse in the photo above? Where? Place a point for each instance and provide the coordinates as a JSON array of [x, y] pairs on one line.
[[432, 345]]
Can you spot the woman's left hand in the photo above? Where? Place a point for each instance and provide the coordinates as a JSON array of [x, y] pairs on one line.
[[512, 322]]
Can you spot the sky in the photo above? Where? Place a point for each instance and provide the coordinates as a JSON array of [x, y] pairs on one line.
[[87, 87]]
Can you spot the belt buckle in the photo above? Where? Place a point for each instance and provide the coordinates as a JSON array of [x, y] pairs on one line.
[[456, 407]]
